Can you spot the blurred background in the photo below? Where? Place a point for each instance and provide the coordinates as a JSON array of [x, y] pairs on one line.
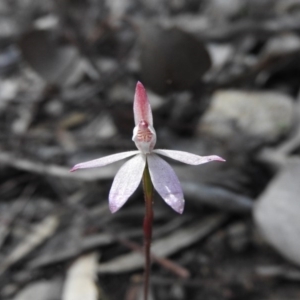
[[222, 78]]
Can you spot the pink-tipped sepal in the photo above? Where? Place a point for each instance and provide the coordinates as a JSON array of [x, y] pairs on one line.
[[141, 107]]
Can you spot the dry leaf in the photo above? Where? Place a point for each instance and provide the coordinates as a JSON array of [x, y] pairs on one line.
[[40, 290], [165, 246], [55, 63], [171, 58], [79, 284], [39, 234], [277, 212]]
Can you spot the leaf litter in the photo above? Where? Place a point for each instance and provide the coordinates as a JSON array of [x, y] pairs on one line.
[[67, 78]]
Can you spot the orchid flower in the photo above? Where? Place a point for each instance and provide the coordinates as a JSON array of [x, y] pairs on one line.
[[130, 174]]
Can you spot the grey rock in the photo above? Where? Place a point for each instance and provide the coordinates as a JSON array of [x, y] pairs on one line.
[[261, 115]]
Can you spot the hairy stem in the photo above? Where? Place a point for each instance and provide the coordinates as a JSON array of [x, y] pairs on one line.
[[148, 221]]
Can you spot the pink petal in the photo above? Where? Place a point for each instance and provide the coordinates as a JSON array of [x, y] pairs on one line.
[[188, 158], [103, 161], [126, 182], [165, 182], [141, 107]]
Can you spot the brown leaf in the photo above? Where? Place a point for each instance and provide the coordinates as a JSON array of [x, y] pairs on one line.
[[171, 58], [55, 63]]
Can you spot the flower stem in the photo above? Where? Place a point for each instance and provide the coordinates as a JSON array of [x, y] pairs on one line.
[[148, 221]]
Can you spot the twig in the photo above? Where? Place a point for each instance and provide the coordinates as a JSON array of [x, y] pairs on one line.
[[164, 262], [53, 170]]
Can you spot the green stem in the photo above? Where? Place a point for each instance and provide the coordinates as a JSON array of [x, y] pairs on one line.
[[148, 221]]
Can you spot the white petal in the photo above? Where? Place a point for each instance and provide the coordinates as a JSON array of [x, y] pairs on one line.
[[188, 158], [126, 182], [103, 161], [165, 182]]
